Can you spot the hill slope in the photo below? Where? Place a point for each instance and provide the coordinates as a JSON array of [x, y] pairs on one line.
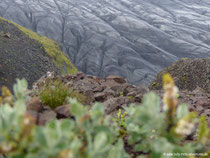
[[25, 54]]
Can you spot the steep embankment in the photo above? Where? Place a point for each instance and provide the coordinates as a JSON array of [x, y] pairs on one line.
[[25, 54]]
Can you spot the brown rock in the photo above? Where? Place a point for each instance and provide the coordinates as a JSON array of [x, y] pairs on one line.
[[63, 111], [116, 79], [100, 96], [35, 104], [110, 83], [203, 102], [46, 116], [138, 98], [199, 108], [129, 88], [89, 96], [83, 85], [141, 89], [34, 115], [121, 100], [109, 92], [110, 105], [132, 93]]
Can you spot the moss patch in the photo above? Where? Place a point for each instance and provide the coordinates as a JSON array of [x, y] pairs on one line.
[[52, 49]]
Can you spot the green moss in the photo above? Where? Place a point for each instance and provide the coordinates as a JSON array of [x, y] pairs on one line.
[[52, 49]]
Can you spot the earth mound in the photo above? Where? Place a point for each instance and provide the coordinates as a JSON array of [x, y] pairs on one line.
[[25, 54], [188, 74]]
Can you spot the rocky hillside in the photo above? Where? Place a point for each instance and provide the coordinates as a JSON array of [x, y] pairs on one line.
[[25, 54], [114, 92]]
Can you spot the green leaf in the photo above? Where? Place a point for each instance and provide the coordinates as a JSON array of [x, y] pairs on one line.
[[40, 137], [20, 107], [97, 111], [20, 88], [203, 131], [76, 109], [116, 151], [100, 141], [162, 145], [153, 101], [182, 111]]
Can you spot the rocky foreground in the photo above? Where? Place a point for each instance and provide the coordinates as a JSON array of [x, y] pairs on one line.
[[114, 92]]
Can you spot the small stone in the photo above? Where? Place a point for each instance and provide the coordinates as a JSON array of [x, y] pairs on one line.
[[63, 111], [121, 100], [132, 94], [35, 104], [138, 98], [7, 35], [199, 108], [203, 102], [207, 112], [116, 79], [89, 97], [100, 96], [46, 116], [109, 92], [110, 105], [34, 115]]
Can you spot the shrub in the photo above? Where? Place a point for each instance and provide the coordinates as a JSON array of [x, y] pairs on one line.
[[54, 93]]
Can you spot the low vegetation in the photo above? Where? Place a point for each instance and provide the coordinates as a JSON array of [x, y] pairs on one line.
[[55, 93], [93, 134]]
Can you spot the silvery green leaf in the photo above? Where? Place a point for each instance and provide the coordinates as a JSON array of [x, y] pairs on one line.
[[41, 137], [97, 111], [182, 111], [152, 101], [117, 152], [20, 107], [161, 145], [76, 109], [20, 88], [100, 141]]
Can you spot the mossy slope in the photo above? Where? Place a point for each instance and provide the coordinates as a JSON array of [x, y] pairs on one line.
[[25, 54], [51, 48]]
